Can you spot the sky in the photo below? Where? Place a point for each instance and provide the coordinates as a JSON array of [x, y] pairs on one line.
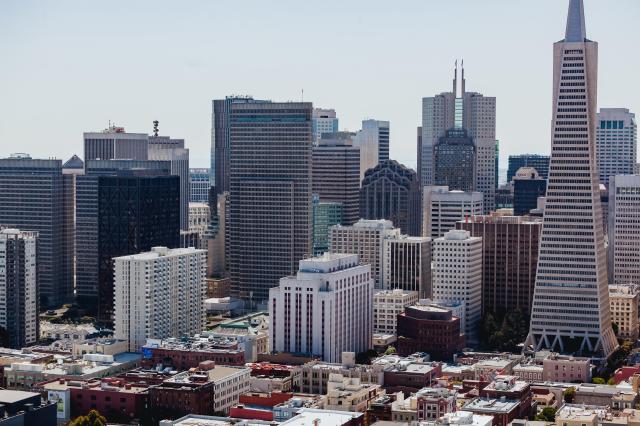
[[71, 66]]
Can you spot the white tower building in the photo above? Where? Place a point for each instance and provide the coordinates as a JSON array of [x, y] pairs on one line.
[[442, 208], [624, 229], [616, 142], [159, 294], [570, 311], [326, 309]]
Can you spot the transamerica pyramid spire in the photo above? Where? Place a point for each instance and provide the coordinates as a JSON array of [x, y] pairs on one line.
[[576, 31]]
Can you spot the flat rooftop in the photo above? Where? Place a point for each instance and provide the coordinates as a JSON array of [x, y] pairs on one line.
[[491, 405], [13, 396], [311, 416]]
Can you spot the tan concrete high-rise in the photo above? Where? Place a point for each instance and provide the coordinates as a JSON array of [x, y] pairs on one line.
[[570, 311]]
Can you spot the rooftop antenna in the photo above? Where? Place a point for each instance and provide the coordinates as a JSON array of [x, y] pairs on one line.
[[155, 128], [302, 95]]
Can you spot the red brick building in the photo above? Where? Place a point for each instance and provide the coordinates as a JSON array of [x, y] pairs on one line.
[[185, 355], [426, 328]]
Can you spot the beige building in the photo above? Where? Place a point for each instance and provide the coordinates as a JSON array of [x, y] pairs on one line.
[[623, 299], [349, 394], [576, 416], [567, 369], [387, 304]]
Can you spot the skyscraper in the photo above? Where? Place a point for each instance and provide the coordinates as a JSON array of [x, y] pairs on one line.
[[391, 191], [538, 162], [407, 264], [616, 142], [323, 121], [454, 157], [199, 185], [570, 311], [373, 141], [624, 229], [325, 215], [114, 142], [31, 199], [443, 208], [527, 187], [19, 287], [336, 173], [269, 224]]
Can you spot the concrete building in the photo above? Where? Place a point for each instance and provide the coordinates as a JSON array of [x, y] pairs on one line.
[[159, 294], [303, 308], [199, 185], [217, 259], [373, 141], [510, 256], [163, 148], [433, 403], [348, 394], [26, 409], [457, 275], [32, 199], [366, 239], [566, 369], [537, 161], [442, 208], [623, 255], [71, 169], [407, 264], [19, 287], [323, 121], [336, 173], [571, 309], [387, 305], [269, 207], [527, 187], [616, 142], [114, 143], [391, 191], [199, 215], [325, 215], [188, 352], [460, 418], [624, 299]]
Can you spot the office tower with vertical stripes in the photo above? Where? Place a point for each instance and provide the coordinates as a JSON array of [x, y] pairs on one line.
[[616, 142], [570, 311]]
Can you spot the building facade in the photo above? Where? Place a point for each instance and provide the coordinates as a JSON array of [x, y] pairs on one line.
[[199, 185], [624, 229], [457, 275], [391, 191], [373, 141], [113, 143], [537, 161], [199, 215], [407, 264], [387, 305], [624, 300], [616, 142], [325, 215], [527, 187], [442, 208], [454, 161], [324, 310], [323, 121], [19, 287], [269, 206], [510, 257], [159, 294], [336, 173], [571, 310]]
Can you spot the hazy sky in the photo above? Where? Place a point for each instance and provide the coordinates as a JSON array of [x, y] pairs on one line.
[[71, 66]]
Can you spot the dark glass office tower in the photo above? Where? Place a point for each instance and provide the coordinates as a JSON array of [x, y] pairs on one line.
[[527, 187], [123, 207], [269, 224], [31, 199], [391, 191], [454, 158], [538, 162]]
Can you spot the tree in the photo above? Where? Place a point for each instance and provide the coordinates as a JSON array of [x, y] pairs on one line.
[[611, 381], [93, 418], [598, 381], [390, 350], [569, 394], [548, 414]]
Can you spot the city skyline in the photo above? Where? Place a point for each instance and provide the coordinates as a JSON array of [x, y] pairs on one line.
[[135, 92]]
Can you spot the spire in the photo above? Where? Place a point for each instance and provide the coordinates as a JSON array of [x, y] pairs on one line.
[[576, 31], [455, 78]]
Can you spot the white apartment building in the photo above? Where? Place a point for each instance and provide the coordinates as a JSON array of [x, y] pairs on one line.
[[326, 309], [623, 251], [159, 294], [19, 286], [387, 305], [442, 208], [457, 275], [373, 141], [366, 239], [616, 142], [623, 299], [407, 264]]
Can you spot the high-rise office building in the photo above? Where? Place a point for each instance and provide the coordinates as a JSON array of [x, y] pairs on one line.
[[387, 305], [163, 148], [407, 264], [123, 207], [623, 251], [19, 287], [366, 239], [303, 308], [199, 185], [459, 109], [510, 246], [336, 173], [454, 157], [570, 311], [616, 142], [32, 199], [199, 216], [391, 191], [270, 218], [325, 215], [442, 208], [527, 187], [373, 141], [159, 294], [538, 162], [71, 169], [457, 275], [216, 241], [323, 121], [113, 143]]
